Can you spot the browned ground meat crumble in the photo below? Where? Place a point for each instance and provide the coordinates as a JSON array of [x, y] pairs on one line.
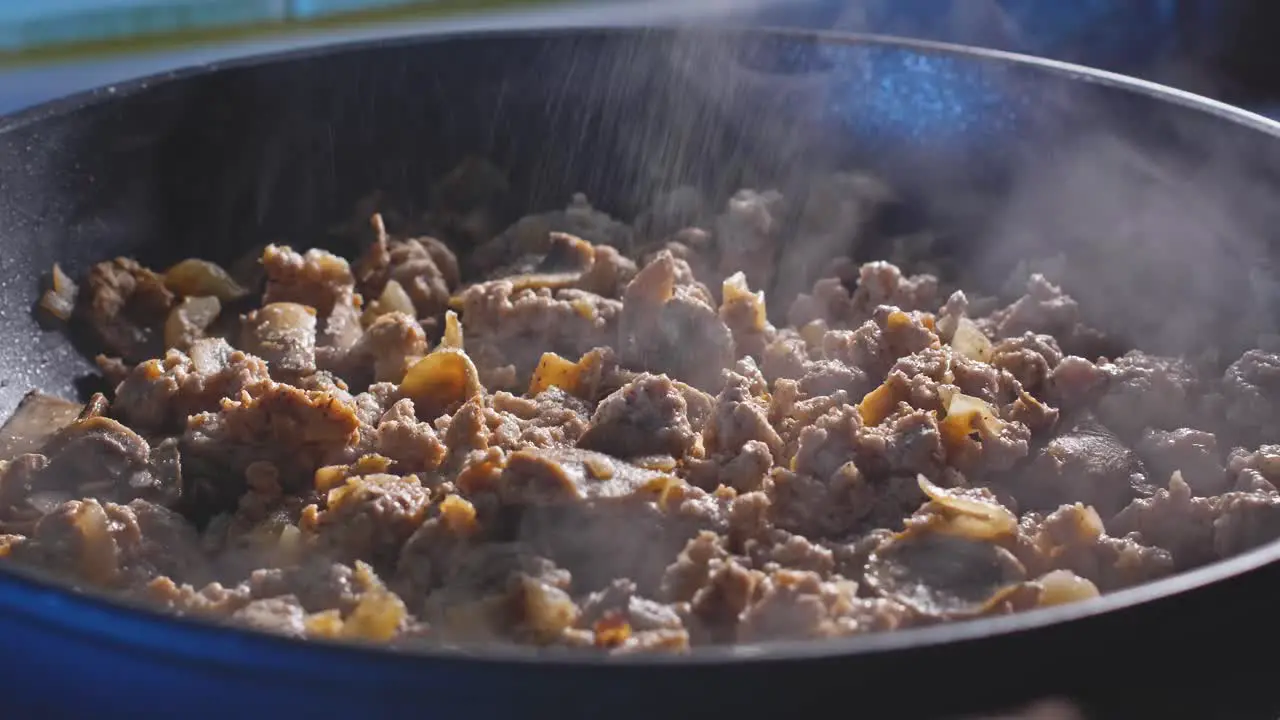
[[579, 432]]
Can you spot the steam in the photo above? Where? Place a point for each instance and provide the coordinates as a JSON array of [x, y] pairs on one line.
[[1153, 216], [1162, 223]]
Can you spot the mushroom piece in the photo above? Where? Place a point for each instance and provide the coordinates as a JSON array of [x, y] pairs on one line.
[[38, 418], [944, 576], [98, 457], [1085, 464]]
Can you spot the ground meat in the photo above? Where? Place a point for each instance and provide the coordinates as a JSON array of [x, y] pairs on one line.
[[1076, 383], [112, 546], [424, 267], [1247, 521], [317, 584], [1072, 538], [1251, 394], [669, 325], [317, 279], [126, 306], [792, 603], [411, 445], [847, 477], [827, 377], [531, 234], [437, 549], [386, 350], [582, 434], [1257, 470], [619, 619], [740, 417], [159, 395], [1199, 530], [487, 591], [509, 327], [609, 274], [648, 416], [552, 418], [369, 517], [100, 457], [212, 601], [281, 615], [1043, 309], [746, 234], [293, 430], [1030, 358], [879, 284], [1147, 391], [1193, 453]]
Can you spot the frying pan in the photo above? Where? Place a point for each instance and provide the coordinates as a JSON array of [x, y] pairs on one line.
[[1162, 203]]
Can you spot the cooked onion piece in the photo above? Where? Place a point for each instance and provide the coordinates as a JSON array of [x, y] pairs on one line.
[[556, 371], [654, 284], [550, 281], [966, 416], [971, 342], [195, 277], [189, 320], [545, 611], [459, 515], [283, 334], [967, 513], [452, 331], [394, 298], [813, 332], [440, 381], [943, 575], [878, 405], [736, 294], [1063, 586], [98, 563], [60, 299], [380, 612]]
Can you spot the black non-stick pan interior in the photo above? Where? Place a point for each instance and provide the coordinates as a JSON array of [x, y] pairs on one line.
[[1161, 204]]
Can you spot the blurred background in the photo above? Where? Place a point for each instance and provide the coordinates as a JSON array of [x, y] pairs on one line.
[[1220, 48]]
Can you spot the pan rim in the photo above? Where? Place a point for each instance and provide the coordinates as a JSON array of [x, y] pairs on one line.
[[90, 616]]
